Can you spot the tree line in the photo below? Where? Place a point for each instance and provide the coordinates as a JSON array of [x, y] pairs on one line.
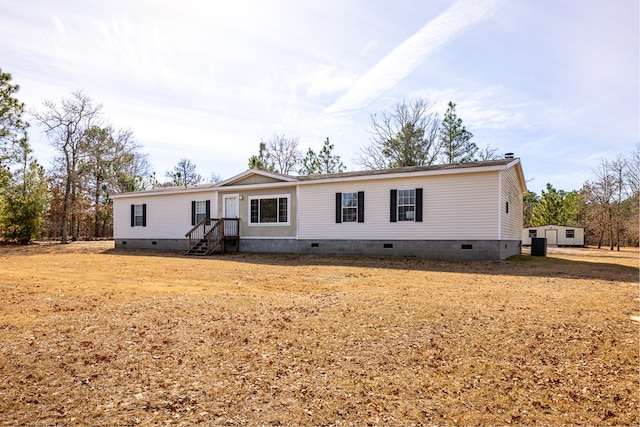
[[607, 205], [408, 134], [94, 159]]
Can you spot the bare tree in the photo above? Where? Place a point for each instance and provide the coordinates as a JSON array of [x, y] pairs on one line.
[[65, 126], [488, 153], [406, 135], [633, 171], [279, 154], [214, 177], [184, 173], [112, 164]]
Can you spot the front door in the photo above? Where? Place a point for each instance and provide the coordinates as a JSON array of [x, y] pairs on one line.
[[231, 208], [552, 237]]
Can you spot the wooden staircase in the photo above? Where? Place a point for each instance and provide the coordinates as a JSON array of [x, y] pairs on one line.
[[213, 235]]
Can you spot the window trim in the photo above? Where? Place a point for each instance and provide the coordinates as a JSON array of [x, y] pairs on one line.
[[398, 206], [194, 213], [417, 205], [278, 213], [346, 210], [134, 215], [359, 207]]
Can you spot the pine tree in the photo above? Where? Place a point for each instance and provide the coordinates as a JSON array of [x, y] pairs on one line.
[[557, 207], [324, 162], [455, 138], [12, 126], [26, 199]]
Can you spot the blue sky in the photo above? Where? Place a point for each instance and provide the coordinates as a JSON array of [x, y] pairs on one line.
[[554, 81]]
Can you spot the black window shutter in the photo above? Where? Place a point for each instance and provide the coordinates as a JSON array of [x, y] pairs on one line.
[[360, 206], [133, 215], [393, 212], [193, 212], [418, 205], [144, 214], [208, 208], [338, 208]]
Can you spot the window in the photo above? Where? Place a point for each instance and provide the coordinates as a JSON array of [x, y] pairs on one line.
[[533, 234], [139, 215], [269, 210], [200, 210], [571, 234], [406, 205], [350, 207], [506, 208]]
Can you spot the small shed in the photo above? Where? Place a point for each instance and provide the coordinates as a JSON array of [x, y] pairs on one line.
[[556, 235]]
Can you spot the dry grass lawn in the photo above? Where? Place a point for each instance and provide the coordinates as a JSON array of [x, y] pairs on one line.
[[90, 335]]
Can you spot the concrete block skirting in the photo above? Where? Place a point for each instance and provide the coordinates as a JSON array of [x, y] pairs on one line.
[[163, 244], [435, 249]]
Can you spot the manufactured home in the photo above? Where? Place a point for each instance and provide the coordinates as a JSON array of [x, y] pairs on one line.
[[556, 235], [459, 211]]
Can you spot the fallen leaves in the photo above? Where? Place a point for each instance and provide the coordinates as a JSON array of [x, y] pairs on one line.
[[283, 340]]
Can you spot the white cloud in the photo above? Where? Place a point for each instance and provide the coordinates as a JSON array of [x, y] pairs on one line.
[[406, 57], [328, 80], [206, 80]]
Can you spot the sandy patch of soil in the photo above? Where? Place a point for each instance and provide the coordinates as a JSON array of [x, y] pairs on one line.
[[94, 336]]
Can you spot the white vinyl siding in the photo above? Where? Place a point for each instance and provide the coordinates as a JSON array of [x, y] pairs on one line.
[[456, 206], [511, 196], [168, 215]]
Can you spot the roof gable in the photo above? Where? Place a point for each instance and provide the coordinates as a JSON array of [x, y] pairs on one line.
[[255, 176]]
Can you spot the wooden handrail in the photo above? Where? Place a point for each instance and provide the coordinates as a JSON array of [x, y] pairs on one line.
[[195, 227], [215, 231]]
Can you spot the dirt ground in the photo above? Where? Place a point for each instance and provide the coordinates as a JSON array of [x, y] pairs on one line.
[[90, 335]]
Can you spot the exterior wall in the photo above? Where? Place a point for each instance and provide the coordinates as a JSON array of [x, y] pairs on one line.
[[510, 192], [464, 215], [435, 249], [263, 230], [160, 244], [455, 207], [563, 240], [168, 215]]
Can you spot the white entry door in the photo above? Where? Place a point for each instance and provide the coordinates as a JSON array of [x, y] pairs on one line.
[[552, 237], [231, 208]]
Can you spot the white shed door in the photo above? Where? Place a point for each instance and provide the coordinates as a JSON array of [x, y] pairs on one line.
[[552, 237]]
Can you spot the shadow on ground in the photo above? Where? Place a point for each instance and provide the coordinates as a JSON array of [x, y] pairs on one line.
[[521, 265]]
